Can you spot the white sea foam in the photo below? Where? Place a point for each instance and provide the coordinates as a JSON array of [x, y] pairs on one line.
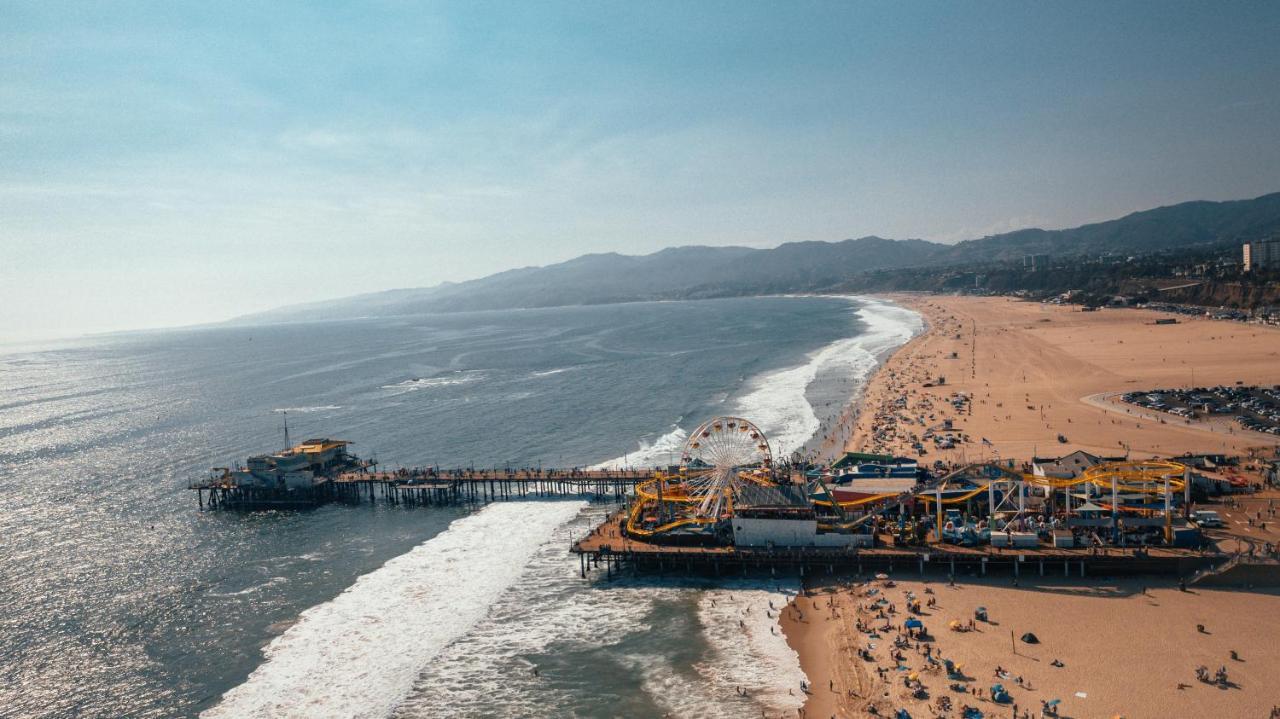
[[579, 633], [660, 452], [748, 651], [304, 410], [421, 383], [486, 672], [359, 654], [751, 650], [776, 401], [251, 589], [549, 372]]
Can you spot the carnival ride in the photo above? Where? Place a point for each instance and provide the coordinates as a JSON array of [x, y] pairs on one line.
[[1001, 484], [1134, 494], [721, 457], [726, 457], [1142, 489]]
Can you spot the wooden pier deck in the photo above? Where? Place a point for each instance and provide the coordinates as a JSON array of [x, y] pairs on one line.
[[426, 487]]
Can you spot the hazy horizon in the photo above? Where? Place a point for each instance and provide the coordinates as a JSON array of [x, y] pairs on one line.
[[173, 166]]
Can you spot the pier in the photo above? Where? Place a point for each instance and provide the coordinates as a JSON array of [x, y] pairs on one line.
[[424, 487], [753, 517], [608, 549]]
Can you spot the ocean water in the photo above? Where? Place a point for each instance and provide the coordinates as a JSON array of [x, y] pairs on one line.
[[119, 598]]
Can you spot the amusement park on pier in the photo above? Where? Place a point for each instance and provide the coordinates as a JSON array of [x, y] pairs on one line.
[[729, 506]]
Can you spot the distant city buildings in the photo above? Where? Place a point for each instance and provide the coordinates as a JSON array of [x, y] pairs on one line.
[[1035, 262], [1261, 254]]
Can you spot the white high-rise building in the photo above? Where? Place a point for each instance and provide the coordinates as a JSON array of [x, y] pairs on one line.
[[1261, 254]]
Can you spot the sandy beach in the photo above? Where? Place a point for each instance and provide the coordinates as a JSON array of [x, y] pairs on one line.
[[1035, 371], [1126, 648], [1035, 375]]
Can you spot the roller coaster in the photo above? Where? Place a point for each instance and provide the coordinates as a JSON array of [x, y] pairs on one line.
[[727, 456], [1143, 477], [720, 458]]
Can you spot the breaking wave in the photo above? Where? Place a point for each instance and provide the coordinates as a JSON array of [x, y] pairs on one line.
[[777, 401], [553, 645], [359, 654], [663, 451]]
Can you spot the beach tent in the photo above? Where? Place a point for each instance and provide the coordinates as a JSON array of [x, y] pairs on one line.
[[913, 623], [1030, 638]]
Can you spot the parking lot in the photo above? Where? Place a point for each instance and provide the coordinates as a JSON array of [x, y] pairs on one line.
[[1253, 408]]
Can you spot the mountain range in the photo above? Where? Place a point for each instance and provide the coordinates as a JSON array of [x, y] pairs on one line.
[[693, 272]]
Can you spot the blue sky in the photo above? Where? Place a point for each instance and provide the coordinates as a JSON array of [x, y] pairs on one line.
[[172, 163]]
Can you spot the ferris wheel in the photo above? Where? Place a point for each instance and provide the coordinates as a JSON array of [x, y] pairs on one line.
[[719, 457]]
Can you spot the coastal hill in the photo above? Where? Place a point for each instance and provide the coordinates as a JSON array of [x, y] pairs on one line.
[[1173, 226], [703, 272]]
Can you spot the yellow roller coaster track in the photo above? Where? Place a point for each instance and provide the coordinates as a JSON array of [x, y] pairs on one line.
[[1136, 477]]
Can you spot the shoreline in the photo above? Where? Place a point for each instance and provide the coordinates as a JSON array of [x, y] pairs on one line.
[[831, 444], [1034, 375]]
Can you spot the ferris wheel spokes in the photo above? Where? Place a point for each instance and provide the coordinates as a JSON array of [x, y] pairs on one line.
[[718, 457]]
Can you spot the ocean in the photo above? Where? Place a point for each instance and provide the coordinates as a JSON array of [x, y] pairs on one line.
[[120, 598]]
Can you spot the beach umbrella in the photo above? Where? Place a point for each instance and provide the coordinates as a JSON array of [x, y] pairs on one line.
[[954, 624]]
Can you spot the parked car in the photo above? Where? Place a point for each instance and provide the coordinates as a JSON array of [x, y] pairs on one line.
[[1207, 518]]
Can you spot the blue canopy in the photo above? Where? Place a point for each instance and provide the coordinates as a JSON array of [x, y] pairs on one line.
[[913, 623]]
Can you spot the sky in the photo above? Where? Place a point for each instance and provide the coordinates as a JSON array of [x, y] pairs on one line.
[[175, 163]]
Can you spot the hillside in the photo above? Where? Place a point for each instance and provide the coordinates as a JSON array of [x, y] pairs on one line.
[[697, 271], [1181, 225]]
